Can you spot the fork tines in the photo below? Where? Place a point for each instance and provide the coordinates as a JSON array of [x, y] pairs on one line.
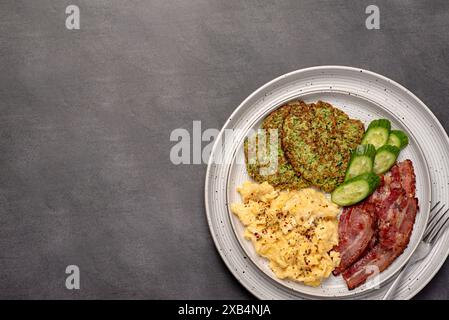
[[437, 222]]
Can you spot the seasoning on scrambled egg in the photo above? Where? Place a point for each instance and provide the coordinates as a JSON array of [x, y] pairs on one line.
[[295, 230]]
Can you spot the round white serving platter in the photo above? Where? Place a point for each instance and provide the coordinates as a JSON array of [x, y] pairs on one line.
[[363, 95]]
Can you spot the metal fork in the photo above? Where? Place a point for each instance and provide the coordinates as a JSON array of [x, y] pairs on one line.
[[436, 226]]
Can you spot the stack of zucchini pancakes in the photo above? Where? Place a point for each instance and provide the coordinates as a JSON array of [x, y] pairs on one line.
[[314, 143]]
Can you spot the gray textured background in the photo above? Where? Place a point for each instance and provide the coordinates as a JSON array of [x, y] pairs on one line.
[[85, 119]]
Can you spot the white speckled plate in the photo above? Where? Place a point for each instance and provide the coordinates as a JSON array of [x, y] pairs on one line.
[[363, 95]]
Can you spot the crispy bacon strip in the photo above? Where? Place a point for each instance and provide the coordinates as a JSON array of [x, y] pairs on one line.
[[356, 230], [408, 178], [396, 208], [386, 251]]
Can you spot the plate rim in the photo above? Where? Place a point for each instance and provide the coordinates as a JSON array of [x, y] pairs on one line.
[[271, 82]]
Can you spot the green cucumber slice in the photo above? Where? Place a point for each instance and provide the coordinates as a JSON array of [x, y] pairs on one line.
[[398, 139], [355, 190], [385, 158], [378, 133], [362, 159]]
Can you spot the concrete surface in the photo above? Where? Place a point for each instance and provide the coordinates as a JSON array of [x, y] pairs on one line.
[[86, 115]]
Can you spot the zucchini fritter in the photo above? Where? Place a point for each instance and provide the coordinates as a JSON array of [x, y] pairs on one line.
[[284, 177], [318, 140]]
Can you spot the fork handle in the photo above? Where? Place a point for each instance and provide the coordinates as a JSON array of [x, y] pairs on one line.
[[395, 283]]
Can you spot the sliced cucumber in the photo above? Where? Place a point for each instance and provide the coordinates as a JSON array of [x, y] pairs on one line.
[[398, 139], [355, 190], [377, 133], [385, 158], [362, 159]]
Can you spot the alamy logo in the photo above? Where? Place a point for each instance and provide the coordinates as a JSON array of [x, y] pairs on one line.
[[73, 280], [262, 147], [72, 22], [373, 20]]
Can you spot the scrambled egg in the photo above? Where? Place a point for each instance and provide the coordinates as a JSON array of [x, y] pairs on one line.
[[295, 230]]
